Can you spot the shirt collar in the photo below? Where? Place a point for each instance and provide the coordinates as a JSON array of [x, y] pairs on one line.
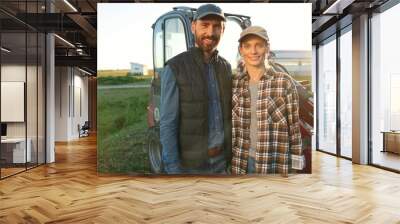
[[242, 73], [198, 53]]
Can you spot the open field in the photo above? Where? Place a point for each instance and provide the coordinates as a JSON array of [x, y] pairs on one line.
[[113, 73], [118, 73], [123, 80], [122, 130]]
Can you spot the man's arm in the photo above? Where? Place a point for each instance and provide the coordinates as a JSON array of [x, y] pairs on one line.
[[169, 113], [295, 143]]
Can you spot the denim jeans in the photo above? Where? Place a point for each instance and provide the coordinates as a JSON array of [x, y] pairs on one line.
[[251, 165], [214, 165]]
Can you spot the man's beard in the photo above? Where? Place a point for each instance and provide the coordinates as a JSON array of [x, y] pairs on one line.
[[207, 47]]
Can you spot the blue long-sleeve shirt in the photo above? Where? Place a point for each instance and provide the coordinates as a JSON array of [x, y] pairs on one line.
[[169, 117], [169, 121], [215, 123]]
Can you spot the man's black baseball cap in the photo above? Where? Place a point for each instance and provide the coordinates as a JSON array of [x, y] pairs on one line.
[[209, 9]]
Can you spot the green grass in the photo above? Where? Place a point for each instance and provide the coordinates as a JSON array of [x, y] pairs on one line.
[[122, 129], [120, 80]]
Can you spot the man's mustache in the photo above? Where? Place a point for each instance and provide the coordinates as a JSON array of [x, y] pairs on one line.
[[210, 38]]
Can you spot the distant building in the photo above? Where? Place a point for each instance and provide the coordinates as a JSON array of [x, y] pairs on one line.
[[297, 63], [137, 68]]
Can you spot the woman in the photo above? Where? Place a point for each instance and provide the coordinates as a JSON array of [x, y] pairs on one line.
[[265, 118]]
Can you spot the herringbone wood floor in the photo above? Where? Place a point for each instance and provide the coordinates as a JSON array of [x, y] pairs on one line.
[[70, 191]]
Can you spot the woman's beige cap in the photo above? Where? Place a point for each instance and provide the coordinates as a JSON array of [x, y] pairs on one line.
[[254, 30]]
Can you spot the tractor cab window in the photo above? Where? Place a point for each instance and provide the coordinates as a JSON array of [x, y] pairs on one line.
[[228, 45], [175, 38], [158, 41]]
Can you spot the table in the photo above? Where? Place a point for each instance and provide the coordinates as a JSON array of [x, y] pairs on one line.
[[16, 147], [391, 141]]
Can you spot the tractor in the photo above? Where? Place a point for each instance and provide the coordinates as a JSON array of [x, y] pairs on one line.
[[171, 36]]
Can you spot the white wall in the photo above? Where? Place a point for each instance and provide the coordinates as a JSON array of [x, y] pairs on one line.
[[80, 100], [71, 87], [12, 73], [62, 81]]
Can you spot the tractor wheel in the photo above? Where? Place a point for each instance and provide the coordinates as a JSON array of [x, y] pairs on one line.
[[154, 149]]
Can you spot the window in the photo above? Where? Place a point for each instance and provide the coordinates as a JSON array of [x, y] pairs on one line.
[[327, 96], [158, 55], [22, 68], [15, 156], [175, 38], [394, 102], [385, 87], [346, 94]]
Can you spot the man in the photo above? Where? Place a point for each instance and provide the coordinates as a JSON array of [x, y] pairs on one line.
[[195, 122], [265, 116]]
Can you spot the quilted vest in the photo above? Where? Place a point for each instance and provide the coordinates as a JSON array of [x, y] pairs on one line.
[[188, 68]]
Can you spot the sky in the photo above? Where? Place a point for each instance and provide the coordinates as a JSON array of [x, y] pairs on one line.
[[125, 33]]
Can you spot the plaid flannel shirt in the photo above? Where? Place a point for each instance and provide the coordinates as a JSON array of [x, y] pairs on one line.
[[279, 145]]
